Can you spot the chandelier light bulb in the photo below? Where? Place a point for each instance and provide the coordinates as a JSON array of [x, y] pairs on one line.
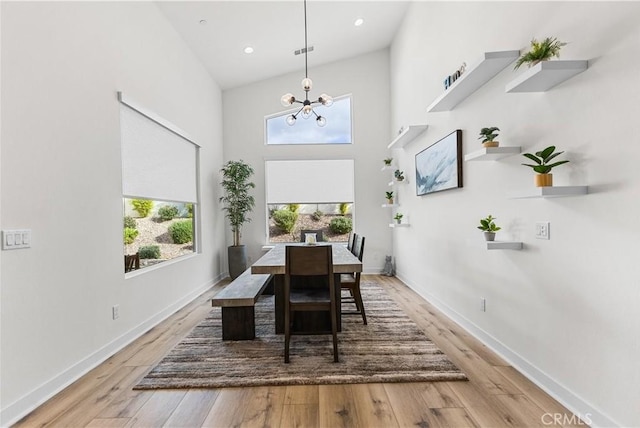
[[287, 99], [307, 84], [321, 121], [291, 120], [326, 100]]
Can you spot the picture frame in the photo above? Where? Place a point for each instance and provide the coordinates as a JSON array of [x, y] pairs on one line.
[[439, 166]]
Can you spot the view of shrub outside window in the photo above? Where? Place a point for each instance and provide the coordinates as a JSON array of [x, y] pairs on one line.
[[286, 221], [157, 231]]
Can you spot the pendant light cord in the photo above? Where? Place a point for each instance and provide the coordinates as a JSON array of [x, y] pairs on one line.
[[306, 71]]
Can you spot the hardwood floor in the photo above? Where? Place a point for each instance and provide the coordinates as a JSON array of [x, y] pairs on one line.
[[495, 396]]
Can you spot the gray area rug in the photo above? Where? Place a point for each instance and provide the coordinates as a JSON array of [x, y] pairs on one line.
[[391, 348]]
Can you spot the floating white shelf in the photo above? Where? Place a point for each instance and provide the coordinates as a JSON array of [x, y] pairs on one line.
[[407, 135], [388, 167], [396, 182], [398, 225], [549, 192], [390, 205], [503, 245], [545, 75], [492, 153], [473, 78]]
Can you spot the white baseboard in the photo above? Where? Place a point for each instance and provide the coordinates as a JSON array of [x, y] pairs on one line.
[[29, 402], [590, 414]]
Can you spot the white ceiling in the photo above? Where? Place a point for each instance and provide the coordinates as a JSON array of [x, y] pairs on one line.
[[275, 29]]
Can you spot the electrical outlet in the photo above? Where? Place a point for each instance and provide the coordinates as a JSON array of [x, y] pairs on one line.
[[115, 312], [542, 230], [483, 304]]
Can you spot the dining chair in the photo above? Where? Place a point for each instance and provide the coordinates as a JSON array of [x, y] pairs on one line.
[[353, 237], [318, 233], [309, 285], [131, 262], [351, 282]]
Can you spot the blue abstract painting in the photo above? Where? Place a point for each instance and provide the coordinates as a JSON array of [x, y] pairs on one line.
[[439, 166]]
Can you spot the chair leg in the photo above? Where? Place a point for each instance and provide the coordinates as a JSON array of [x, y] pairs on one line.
[[334, 331], [287, 335], [360, 304]]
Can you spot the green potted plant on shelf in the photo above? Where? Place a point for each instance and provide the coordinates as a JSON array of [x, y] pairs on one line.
[[399, 175], [398, 217], [488, 135], [387, 161], [542, 166], [488, 226], [540, 51], [389, 196], [237, 202]]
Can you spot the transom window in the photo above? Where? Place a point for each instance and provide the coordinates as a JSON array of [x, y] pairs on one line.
[[305, 131]]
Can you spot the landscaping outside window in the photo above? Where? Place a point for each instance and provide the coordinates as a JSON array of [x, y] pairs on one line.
[[286, 221], [157, 231]]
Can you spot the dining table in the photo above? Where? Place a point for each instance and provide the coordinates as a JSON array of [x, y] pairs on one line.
[[273, 262]]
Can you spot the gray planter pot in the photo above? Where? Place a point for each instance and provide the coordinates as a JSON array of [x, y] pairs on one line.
[[489, 236], [237, 255]]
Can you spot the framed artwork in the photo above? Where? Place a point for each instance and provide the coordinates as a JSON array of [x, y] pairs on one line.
[[439, 166]]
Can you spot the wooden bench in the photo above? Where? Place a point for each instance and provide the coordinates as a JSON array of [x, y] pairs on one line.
[[238, 300]]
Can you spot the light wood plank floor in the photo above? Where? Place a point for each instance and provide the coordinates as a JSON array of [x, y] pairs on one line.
[[495, 396]]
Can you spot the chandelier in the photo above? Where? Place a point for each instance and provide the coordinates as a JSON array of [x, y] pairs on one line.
[[307, 106]]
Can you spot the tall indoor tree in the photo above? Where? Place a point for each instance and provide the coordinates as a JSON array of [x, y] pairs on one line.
[[237, 203]]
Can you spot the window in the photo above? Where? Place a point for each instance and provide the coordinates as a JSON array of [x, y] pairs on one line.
[[159, 187], [309, 194], [337, 130]]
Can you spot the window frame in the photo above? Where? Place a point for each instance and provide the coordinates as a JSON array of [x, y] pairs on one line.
[[197, 226]]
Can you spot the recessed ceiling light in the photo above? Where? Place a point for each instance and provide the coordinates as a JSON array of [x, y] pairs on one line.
[[358, 22], [248, 50], [203, 22]]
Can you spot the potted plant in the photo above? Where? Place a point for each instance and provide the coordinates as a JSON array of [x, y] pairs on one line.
[[399, 175], [237, 204], [488, 135], [488, 226], [389, 196], [398, 217], [540, 51], [387, 161], [542, 158]]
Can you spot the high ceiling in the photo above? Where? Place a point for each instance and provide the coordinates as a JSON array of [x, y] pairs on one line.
[[275, 29]]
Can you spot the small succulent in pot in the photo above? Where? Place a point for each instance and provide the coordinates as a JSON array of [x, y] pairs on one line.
[[489, 227], [398, 217], [540, 51], [543, 166], [488, 135], [399, 175], [389, 196], [387, 161]]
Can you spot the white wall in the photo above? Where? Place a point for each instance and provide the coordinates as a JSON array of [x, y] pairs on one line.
[[366, 78], [62, 64], [564, 310]]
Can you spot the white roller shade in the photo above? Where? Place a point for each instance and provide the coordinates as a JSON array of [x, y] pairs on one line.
[[157, 163], [309, 181]]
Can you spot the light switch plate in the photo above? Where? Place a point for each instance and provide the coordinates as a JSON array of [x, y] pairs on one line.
[[16, 239]]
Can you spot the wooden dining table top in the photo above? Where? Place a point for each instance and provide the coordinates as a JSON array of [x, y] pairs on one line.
[[274, 261]]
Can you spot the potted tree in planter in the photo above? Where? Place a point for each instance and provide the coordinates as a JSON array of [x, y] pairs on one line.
[[237, 204], [542, 158], [488, 135], [488, 226], [540, 51]]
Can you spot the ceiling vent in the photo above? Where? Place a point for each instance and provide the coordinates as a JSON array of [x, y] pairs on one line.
[[303, 50]]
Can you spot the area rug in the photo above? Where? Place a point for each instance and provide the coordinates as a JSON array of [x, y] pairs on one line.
[[391, 348]]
